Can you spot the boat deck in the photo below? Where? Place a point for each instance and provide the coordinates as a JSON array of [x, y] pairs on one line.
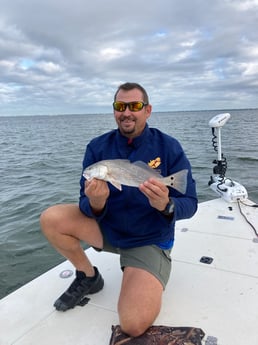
[[220, 297]]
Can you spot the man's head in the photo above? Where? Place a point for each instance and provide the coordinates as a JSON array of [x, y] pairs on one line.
[[130, 86], [131, 109]]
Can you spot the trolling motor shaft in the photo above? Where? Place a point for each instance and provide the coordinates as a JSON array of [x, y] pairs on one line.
[[228, 189]]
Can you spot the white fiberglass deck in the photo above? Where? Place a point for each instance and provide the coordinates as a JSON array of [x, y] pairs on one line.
[[221, 297]]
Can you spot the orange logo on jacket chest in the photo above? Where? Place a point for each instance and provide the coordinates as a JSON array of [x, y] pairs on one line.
[[154, 163]]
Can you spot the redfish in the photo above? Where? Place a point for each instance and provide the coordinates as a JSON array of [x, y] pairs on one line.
[[122, 172]]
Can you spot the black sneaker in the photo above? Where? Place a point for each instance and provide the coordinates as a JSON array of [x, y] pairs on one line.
[[80, 287]]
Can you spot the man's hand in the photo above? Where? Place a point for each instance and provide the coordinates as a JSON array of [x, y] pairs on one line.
[[156, 192], [97, 191]]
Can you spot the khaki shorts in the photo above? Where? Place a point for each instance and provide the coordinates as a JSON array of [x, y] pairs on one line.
[[150, 258]]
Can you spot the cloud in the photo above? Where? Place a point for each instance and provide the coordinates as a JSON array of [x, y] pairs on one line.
[[62, 56]]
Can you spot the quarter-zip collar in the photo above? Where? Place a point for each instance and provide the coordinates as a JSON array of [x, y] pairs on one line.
[[128, 144]]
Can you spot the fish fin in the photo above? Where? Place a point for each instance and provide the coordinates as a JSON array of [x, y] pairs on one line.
[[115, 184], [177, 181]]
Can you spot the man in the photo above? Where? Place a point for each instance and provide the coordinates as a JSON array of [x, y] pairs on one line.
[[136, 223]]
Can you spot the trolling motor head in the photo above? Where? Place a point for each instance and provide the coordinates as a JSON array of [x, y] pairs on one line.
[[228, 189], [219, 120]]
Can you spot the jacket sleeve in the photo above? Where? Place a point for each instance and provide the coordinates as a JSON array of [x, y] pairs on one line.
[[185, 204], [185, 207]]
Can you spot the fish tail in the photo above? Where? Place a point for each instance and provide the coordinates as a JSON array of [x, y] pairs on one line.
[[177, 181]]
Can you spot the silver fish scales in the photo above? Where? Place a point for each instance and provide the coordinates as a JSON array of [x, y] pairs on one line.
[[122, 172]]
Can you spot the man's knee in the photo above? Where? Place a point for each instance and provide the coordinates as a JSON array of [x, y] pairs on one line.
[[49, 218], [134, 328], [44, 217]]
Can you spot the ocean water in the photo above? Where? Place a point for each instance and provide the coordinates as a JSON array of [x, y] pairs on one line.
[[40, 165]]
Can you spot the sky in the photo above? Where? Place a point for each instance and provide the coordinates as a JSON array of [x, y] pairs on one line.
[[69, 57]]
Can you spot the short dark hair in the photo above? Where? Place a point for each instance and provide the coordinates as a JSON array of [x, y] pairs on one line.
[[130, 86]]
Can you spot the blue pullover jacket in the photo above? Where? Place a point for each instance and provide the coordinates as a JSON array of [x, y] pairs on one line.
[[128, 220]]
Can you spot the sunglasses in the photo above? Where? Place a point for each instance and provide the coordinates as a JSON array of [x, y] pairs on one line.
[[133, 106]]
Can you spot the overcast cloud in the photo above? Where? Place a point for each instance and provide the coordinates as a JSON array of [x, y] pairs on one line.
[[61, 56]]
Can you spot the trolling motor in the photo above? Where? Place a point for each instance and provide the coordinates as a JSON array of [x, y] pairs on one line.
[[228, 189]]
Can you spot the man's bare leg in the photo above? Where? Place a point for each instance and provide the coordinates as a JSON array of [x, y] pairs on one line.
[[140, 300], [140, 297], [65, 226]]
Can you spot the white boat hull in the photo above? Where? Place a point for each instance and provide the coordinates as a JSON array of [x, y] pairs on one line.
[[221, 297]]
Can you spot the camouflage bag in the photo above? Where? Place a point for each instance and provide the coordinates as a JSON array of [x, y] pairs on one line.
[[159, 335]]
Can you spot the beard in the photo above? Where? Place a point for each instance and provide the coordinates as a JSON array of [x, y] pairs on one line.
[[126, 124]]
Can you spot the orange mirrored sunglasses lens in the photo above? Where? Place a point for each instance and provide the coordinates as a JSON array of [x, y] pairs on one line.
[[133, 106]]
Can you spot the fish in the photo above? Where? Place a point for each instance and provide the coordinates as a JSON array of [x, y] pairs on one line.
[[120, 172]]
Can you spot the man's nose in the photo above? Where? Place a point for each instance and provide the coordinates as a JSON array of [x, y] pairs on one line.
[[127, 110]]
